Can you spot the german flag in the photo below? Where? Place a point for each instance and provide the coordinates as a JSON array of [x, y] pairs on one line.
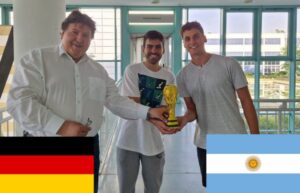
[[46, 165]]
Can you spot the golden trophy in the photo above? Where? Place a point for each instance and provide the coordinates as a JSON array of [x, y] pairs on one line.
[[170, 95]]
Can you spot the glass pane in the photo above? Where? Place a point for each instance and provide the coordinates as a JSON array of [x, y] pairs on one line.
[[11, 18], [0, 15], [249, 70], [298, 82], [274, 34], [118, 25], [184, 20], [103, 45], [298, 58], [274, 80], [210, 19], [119, 71], [298, 33], [239, 34], [184, 15], [298, 63], [110, 68]]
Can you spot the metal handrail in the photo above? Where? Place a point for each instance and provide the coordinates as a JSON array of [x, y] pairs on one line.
[[279, 109], [276, 100], [284, 110]]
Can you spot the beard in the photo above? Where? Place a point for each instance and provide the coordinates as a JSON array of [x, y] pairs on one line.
[[153, 58]]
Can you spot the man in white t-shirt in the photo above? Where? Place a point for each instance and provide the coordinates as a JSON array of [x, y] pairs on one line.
[[209, 85], [139, 141]]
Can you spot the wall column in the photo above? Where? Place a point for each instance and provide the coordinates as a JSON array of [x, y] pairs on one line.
[[36, 24]]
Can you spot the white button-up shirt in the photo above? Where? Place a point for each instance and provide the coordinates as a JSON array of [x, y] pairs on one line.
[[49, 88]]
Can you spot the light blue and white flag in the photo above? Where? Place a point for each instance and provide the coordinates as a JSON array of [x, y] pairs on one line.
[[253, 164]]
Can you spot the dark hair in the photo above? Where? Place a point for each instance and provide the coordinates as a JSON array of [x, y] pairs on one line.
[[77, 17], [191, 25], [153, 35]]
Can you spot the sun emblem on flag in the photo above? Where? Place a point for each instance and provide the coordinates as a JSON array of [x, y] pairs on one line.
[[253, 163]]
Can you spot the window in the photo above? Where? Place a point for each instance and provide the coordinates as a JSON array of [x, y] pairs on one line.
[[274, 80], [274, 41], [248, 40], [1, 16], [235, 41], [272, 53], [210, 19], [249, 70], [234, 53], [213, 41], [240, 43], [103, 45], [105, 48], [298, 58], [239, 33], [274, 34]]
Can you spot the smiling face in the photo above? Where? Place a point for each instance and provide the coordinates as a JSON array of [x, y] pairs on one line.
[[76, 40], [193, 41], [153, 50]]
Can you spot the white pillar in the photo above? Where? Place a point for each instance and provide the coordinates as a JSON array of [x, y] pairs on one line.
[[36, 24]]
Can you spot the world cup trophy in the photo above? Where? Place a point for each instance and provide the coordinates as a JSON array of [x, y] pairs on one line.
[[170, 95]]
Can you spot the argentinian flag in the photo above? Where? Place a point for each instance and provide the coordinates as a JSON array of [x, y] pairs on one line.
[[253, 164]]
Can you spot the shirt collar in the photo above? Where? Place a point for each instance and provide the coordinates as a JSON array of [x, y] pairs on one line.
[[61, 50]]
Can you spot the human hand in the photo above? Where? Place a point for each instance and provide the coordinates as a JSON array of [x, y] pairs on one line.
[[162, 127], [160, 113], [73, 129]]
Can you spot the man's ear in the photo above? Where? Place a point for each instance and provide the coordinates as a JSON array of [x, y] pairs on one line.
[[61, 34], [205, 39]]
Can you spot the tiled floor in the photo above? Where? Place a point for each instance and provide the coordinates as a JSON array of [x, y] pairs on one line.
[[181, 172]]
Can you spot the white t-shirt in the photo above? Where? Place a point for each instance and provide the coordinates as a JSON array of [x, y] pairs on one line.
[[140, 135], [213, 90]]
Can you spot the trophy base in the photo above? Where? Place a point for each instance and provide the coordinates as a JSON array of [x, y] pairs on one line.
[[172, 123]]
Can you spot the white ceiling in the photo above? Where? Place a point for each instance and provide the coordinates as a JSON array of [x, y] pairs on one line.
[[177, 2]]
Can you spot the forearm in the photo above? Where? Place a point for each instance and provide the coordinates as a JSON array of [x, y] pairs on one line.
[[126, 108], [251, 117], [249, 110], [31, 115], [190, 116]]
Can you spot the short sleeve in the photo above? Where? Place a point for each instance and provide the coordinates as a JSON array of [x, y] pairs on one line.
[[237, 75], [182, 90], [129, 85]]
